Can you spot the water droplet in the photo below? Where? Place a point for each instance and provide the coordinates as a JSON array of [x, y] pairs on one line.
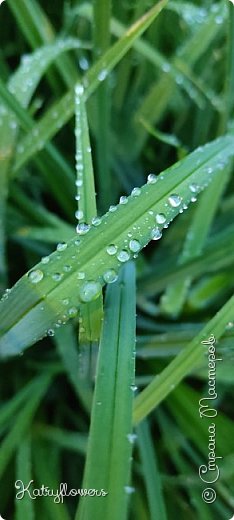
[[50, 332], [134, 245], [129, 490], [79, 214], [156, 234], [90, 291], [110, 276], [82, 228], [96, 221], [80, 275], [131, 437], [111, 249], [193, 188], [151, 179], [45, 259], [35, 276], [174, 200], [102, 74], [160, 218], [72, 312], [133, 388], [123, 200], [123, 255], [57, 277], [112, 209], [166, 66], [67, 268], [62, 246], [79, 183], [65, 301], [136, 192]]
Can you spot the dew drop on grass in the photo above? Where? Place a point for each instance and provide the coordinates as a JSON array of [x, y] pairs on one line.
[[35, 276], [151, 179], [174, 200], [111, 249], [62, 246], [96, 221], [110, 276], [133, 387], [82, 228], [131, 437], [79, 214], [102, 75], [136, 192], [50, 332], [72, 312], [123, 200], [123, 256], [193, 188], [156, 234], [134, 246], [90, 291], [160, 218], [67, 268], [112, 209], [57, 277], [80, 275], [45, 259], [129, 490]]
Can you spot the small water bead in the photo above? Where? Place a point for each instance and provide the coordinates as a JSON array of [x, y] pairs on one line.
[[123, 256], [77, 197], [136, 192], [45, 259], [111, 249], [81, 275], [166, 67], [62, 246], [174, 200], [79, 183], [110, 276], [82, 228], [131, 437], [67, 268], [160, 218], [79, 214], [96, 221], [57, 277], [151, 179], [193, 199], [123, 200], [72, 312], [83, 63], [77, 242], [156, 234], [65, 301], [102, 75], [129, 490], [112, 209], [193, 188], [50, 332], [35, 276], [134, 388], [134, 245], [90, 291]]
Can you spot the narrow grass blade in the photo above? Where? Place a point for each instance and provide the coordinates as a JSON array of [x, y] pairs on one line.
[[109, 451], [24, 508], [182, 365], [24, 419], [67, 440], [87, 262], [64, 108], [151, 474]]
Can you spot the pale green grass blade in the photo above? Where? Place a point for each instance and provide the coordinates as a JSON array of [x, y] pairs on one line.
[[109, 450], [24, 508], [92, 313], [182, 365], [21, 423], [175, 295], [48, 126], [39, 296], [151, 472]]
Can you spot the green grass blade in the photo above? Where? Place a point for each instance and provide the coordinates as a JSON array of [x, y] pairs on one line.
[[38, 297], [151, 473], [182, 365], [64, 108], [24, 508], [108, 457]]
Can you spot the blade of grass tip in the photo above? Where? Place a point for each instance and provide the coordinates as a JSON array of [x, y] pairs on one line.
[[91, 314], [182, 365], [24, 508], [151, 472], [174, 298], [71, 441], [38, 298], [67, 347], [21, 423], [109, 451], [101, 41], [47, 127]]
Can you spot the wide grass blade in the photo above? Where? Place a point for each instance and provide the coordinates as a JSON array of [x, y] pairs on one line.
[[46, 296], [24, 508], [109, 450]]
